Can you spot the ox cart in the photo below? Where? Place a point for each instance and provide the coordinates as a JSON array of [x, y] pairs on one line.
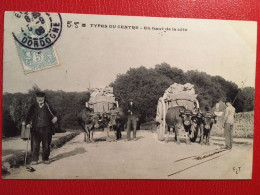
[[103, 103], [176, 95]]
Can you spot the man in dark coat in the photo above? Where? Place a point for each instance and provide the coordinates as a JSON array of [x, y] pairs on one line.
[[40, 118], [132, 120]]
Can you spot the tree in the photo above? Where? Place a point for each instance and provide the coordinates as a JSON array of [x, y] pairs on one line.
[[175, 74], [229, 88], [144, 86], [66, 104], [9, 126], [245, 100], [204, 87], [211, 89]]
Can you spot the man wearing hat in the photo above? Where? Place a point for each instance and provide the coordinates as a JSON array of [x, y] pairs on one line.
[[228, 123], [40, 118]]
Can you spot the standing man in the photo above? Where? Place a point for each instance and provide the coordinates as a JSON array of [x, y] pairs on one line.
[[228, 122], [131, 120], [40, 119]]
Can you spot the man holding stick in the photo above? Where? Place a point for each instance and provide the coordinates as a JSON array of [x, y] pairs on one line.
[[40, 119]]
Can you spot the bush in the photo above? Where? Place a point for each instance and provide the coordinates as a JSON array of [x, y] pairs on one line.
[[149, 126], [243, 127], [9, 126], [66, 104]]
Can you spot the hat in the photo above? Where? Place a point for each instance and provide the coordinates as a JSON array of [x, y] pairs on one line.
[[40, 94]]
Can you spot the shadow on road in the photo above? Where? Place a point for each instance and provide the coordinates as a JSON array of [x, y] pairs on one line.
[[68, 154], [101, 139], [139, 137], [111, 139]]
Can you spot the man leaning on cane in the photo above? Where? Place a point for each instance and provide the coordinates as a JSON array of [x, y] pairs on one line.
[[40, 119], [228, 122]]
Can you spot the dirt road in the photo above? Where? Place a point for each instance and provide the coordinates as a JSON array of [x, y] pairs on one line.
[[145, 158]]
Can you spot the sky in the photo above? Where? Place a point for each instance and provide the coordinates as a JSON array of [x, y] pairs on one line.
[[95, 55]]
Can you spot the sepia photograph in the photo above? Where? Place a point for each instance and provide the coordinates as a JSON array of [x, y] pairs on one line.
[[127, 97]]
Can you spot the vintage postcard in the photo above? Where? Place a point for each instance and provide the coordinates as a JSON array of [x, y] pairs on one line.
[[122, 97]]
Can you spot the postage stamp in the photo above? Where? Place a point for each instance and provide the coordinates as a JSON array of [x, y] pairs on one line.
[[35, 33], [34, 60]]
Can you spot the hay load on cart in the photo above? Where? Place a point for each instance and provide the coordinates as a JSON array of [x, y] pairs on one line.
[[102, 100], [104, 104], [175, 95]]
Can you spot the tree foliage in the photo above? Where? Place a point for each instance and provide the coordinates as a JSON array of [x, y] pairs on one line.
[[16, 106], [245, 100], [145, 86], [211, 89], [67, 105]]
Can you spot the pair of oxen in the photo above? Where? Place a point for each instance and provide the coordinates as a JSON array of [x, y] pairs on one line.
[[195, 124], [89, 121]]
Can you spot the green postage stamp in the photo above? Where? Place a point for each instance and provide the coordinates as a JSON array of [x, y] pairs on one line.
[[34, 60]]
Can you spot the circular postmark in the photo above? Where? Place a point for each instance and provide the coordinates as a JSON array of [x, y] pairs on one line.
[[35, 30]]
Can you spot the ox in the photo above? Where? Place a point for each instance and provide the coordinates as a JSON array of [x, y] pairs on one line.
[[178, 118], [201, 126], [88, 121], [197, 127], [117, 119], [208, 120]]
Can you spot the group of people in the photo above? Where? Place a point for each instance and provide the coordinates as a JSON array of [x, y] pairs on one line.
[[41, 119]]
